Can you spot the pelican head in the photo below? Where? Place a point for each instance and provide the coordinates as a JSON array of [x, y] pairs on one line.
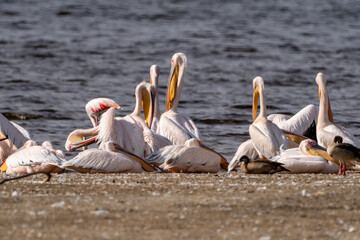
[[258, 86], [96, 107], [177, 73], [29, 143], [154, 75], [322, 83], [147, 93], [47, 145], [306, 145]]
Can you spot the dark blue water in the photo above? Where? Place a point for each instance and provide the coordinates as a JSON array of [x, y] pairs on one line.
[[57, 55]]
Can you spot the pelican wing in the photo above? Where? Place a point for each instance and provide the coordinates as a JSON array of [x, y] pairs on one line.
[[34, 155], [298, 123], [267, 138], [172, 130], [11, 132], [97, 159], [159, 157]]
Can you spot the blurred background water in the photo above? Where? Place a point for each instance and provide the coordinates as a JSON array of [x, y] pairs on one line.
[[57, 55]]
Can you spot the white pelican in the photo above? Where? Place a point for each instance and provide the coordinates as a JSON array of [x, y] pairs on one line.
[[191, 157], [97, 106], [176, 126], [33, 158], [326, 130], [130, 132], [307, 158], [260, 166], [154, 80], [12, 137], [266, 136], [109, 160], [343, 152]]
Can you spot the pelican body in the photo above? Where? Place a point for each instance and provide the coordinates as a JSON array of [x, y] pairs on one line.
[[266, 136]]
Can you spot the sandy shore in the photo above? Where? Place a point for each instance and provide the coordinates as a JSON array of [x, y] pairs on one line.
[[182, 206]]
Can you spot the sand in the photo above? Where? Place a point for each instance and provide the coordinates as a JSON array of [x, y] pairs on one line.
[[182, 206]]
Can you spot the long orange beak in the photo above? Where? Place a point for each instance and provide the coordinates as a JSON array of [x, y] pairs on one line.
[[255, 102], [73, 146], [172, 86]]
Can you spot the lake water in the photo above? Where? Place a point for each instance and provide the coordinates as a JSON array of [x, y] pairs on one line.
[[55, 56]]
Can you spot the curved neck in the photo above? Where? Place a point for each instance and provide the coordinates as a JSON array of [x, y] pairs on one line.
[[138, 103], [323, 117], [262, 103]]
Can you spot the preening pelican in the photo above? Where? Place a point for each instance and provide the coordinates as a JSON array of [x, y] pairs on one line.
[[344, 153], [130, 132], [109, 160], [176, 126], [154, 80], [266, 136], [95, 107], [33, 158], [326, 130], [191, 157], [260, 166], [307, 158]]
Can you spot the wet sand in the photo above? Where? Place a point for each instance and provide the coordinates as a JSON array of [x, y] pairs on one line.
[[182, 206]]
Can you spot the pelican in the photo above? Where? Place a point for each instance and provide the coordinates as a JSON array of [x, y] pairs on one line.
[[343, 152], [266, 136], [326, 130], [307, 158], [154, 80], [130, 132], [191, 157], [33, 158], [176, 126], [260, 166], [109, 160], [97, 106]]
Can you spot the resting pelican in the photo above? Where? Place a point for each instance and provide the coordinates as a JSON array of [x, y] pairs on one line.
[[109, 160], [246, 148], [326, 130], [193, 156], [97, 106], [154, 80], [344, 153], [307, 158], [33, 158], [12, 137], [176, 126], [266, 136]]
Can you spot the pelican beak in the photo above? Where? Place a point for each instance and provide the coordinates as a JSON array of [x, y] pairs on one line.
[[255, 102], [72, 146], [3, 166], [148, 102], [3, 138], [151, 82], [223, 162], [294, 137], [319, 151], [145, 165], [172, 86]]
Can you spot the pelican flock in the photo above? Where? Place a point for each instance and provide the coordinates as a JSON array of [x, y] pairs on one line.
[[148, 141]]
